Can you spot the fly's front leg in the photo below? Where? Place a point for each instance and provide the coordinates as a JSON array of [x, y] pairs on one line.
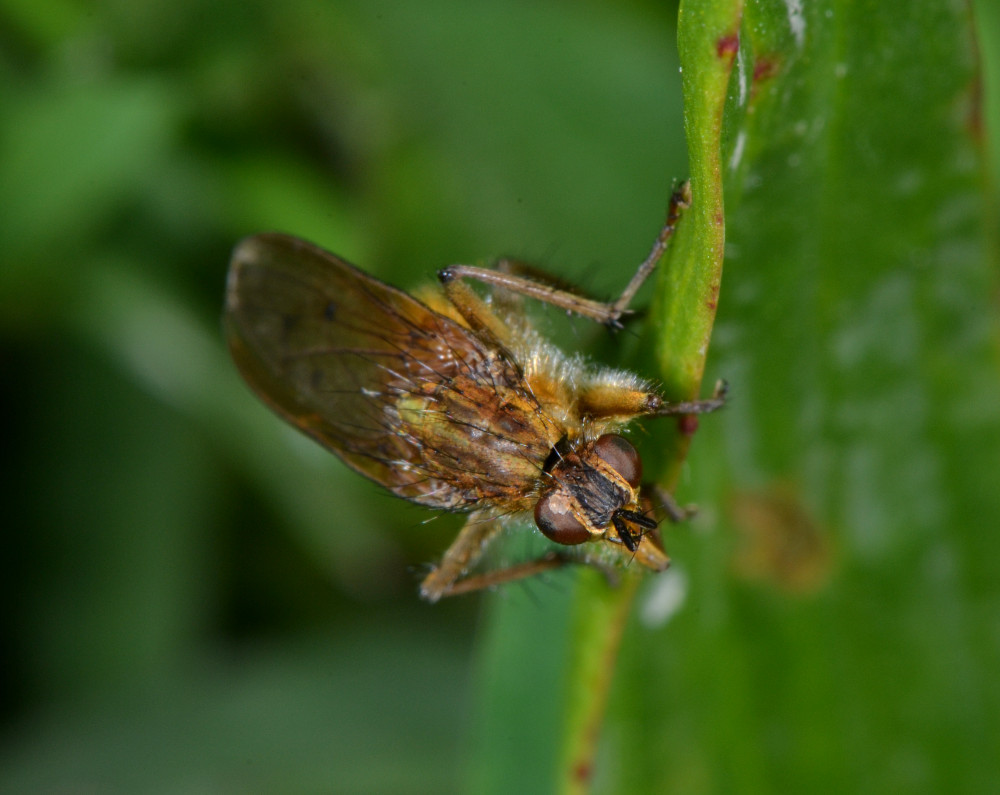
[[609, 314], [665, 503]]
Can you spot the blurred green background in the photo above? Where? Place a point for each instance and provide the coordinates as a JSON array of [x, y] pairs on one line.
[[196, 599]]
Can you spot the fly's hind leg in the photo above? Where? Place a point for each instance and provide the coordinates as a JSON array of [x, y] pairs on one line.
[[505, 278]]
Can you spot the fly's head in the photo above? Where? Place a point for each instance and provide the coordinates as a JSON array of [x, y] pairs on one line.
[[595, 497]]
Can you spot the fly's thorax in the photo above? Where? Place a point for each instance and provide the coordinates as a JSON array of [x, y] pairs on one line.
[[595, 495]]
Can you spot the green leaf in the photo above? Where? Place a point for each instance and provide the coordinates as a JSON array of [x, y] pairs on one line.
[[826, 600], [688, 290], [829, 641]]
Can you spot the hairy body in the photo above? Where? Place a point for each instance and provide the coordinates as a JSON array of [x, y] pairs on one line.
[[450, 402]]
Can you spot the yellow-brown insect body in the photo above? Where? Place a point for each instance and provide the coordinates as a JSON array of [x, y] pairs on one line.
[[530, 402], [447, 402]]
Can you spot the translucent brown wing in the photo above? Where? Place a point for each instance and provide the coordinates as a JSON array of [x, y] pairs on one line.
[[394, 388]]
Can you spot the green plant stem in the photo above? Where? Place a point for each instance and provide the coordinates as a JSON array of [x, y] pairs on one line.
[[597, 634], [687, 290], [683, 312]]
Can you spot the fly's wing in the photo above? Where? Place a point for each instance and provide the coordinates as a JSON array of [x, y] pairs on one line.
[[334, 351]]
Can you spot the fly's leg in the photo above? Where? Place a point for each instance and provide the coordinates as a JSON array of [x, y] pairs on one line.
[[462, 555], [491, 579], [661, 408], [622, 402], [508, 301], [609, 314], [548, 562], [680, 200], [665, 503], [449, 579]]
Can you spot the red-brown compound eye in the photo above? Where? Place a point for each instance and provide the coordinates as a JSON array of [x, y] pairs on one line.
[[622, 456], [556, 521]]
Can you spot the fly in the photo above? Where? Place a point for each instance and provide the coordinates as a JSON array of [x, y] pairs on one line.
[[454, 402]]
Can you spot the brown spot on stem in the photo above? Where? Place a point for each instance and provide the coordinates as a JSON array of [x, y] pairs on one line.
[[687, 425], [728, 46], [712, 300], [974, 114], [765, 68]]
